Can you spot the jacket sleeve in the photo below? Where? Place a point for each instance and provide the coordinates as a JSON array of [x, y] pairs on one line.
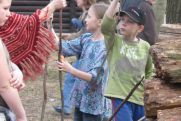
[[108, 29]]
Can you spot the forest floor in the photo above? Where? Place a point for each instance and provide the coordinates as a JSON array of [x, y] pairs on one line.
[[32, 95]]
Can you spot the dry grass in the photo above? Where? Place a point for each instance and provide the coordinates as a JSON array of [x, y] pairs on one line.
[[32, 96]]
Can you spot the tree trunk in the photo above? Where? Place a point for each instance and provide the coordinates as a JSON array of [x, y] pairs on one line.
[[167, 59], [159, 10], [169, 114], [173, 11], [160, 96]]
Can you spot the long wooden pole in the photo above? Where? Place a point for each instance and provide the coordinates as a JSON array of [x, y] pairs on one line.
[[60, 72], [49, 26], [44, 94]]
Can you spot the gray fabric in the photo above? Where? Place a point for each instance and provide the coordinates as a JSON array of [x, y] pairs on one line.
[[8, 114], [2, 117], [149, 33]]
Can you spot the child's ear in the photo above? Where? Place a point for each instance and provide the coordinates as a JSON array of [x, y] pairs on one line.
[[100, 20], [141, 28]]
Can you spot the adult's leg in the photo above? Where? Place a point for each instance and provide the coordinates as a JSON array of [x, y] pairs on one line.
[[68, 85]]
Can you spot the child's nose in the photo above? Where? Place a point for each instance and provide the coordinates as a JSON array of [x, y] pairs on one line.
[[123, 24], [8, 13]]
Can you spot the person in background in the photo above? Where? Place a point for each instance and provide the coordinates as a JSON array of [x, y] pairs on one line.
[[149, 33], [79, 23]]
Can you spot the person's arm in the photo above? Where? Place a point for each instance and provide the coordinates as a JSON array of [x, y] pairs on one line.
[[47, 11], [67, 67], [8, 93], [112, 9], [17, 77], [93, 74], [108, 25], [56, 38], [74, 47], [71, 36]]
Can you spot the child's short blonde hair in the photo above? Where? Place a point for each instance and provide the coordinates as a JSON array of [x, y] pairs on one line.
[[99, 9]]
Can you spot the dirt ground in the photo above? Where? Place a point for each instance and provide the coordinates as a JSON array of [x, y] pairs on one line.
[[32, 96]]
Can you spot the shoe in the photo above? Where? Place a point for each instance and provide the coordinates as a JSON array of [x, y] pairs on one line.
[[59, 110]]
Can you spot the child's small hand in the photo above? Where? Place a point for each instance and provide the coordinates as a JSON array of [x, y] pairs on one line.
[[64, 66], [59, 4], [17, 80]]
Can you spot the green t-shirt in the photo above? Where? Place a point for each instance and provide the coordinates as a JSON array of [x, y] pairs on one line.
[[128, 63]]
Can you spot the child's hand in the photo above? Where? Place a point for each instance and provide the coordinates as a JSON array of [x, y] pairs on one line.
[[17, 80], [59, 4], [64, 66]]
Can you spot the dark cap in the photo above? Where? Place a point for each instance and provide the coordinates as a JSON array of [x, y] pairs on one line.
[[136, 14]]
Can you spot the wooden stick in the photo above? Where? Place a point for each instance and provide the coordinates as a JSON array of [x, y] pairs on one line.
[[44, 93], [60, 72]]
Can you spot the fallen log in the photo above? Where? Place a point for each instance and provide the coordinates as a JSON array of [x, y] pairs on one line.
[[151, 119], [170, 28], [169, 114], [167, 60], [159, 96], [168, 31]]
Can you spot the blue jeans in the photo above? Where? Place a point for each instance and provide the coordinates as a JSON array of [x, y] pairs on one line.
[[129, 112], [67, 90], [80, 116]]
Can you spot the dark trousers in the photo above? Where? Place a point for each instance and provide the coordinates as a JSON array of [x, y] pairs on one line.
[[80, 116]]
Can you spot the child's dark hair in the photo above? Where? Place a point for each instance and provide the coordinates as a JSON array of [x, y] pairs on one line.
[[99, 9]]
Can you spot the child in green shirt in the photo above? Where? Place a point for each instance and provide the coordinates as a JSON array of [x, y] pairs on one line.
[[128, 59]]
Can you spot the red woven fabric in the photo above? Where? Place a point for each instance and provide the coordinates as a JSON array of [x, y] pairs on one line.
[[28, 43]]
